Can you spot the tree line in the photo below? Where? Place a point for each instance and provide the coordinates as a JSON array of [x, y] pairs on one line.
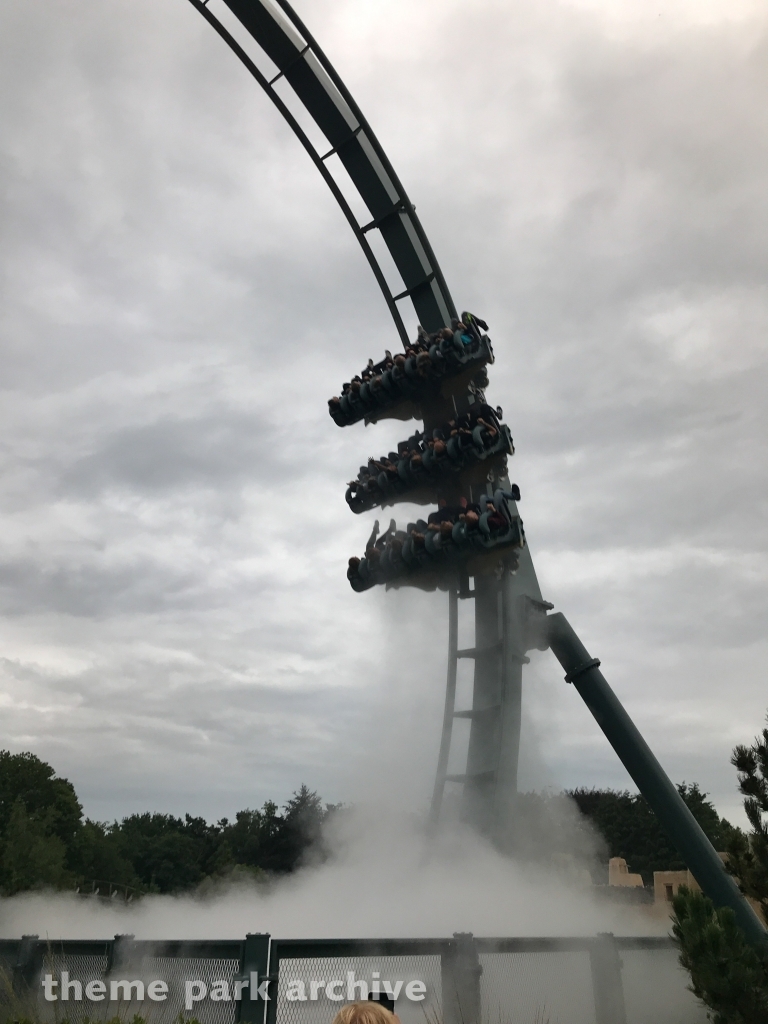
[[45, 841], [631, 829]]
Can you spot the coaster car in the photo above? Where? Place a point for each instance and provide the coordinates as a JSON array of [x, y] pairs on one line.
[[397, 386], [420, 464], [425, 553]]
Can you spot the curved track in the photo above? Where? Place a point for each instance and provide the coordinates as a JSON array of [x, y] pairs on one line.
[[503, 604], [287, 46], [285, 40]]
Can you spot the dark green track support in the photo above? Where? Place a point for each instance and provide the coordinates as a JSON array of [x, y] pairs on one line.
[[649, 777], [27, 964], [483, 752], [301, 63], [461, 972]]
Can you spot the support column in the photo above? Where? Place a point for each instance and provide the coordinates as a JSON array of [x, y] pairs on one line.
[[501, 640], [517, 592], [607, 985], [461, 971], [450, 707], [482, 755], [510, 713]]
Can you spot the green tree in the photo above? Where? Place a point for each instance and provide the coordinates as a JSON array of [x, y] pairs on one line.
[[33, 855], [278, 843], [25, 777], [96, 854], [45, 842], [727, 974], [303, 823], [167, 853], [631, 829], [748, 855], [254, 838], [40, 816]]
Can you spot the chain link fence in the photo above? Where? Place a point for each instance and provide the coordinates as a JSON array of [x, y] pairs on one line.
[[597, 980], [520, 988], [351, 974]]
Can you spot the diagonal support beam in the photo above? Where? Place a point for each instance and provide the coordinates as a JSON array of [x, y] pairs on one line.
[[621, 732]]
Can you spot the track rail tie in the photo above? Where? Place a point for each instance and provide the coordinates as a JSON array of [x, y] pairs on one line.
[[473, 652], [352, 135], [477, 712], [416, 287], [399, 207], [475, 777], [289, 65]]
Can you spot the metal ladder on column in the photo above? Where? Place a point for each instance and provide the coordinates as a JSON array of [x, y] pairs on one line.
[[501, 641], [455, 654]]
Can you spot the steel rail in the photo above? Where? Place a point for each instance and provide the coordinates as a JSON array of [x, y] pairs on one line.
[[377, 147], [201, 6], [289, 45]]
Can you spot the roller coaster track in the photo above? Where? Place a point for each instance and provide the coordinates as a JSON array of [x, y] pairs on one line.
[[296, 57], [510, 617], [288, 44]]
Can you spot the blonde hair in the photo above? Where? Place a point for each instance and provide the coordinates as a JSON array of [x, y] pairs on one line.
[[363, 1013]]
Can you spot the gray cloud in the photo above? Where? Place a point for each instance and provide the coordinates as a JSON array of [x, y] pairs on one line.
[[180, 296]]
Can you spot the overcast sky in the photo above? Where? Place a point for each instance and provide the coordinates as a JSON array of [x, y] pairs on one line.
[[180, 296]]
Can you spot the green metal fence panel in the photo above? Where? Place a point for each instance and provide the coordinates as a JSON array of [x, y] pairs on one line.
[[582, 980], [530, 987], [82, 968], [656, 988], [347, 975], [332, 960], [176, 971]]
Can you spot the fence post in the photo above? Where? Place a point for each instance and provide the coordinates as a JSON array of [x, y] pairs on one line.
[[460, 969], [27, 965], [121, 962], [121, 954], [606, 980], [254, 968]]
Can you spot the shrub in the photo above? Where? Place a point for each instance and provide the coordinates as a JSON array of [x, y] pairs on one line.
[[728, 974]]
